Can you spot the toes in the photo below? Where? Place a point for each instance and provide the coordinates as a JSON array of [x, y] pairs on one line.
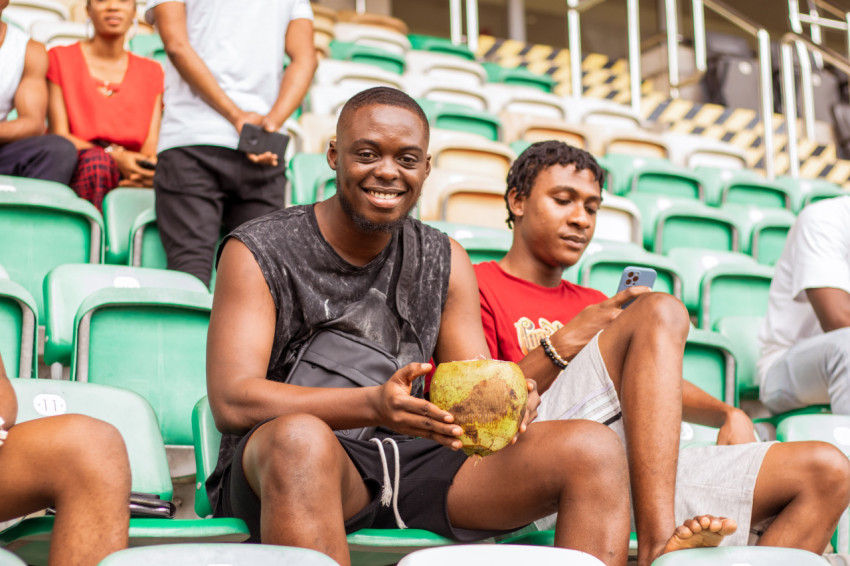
[[683, 531]]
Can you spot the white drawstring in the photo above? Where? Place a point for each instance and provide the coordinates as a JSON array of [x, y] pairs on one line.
[[390, 493]]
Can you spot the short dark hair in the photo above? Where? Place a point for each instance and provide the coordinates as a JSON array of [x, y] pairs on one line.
[[542, 155], [383, 95]]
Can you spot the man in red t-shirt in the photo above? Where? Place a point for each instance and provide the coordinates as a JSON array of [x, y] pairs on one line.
[[623, 367]]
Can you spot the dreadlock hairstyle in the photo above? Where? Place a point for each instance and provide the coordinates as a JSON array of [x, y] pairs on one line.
[[540, 156]]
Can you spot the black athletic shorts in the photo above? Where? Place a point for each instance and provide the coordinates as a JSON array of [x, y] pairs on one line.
[[427, 471]]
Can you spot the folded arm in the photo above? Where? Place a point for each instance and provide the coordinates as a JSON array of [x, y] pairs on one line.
[[832, 307]]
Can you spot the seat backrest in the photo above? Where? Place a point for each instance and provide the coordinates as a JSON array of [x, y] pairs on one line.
[[146, 249], [9, 559], [448, 116], [498, 555], [127, 411], [163, 358], [709, 363], [39, 232], [67, 286], [733, 290], [760, 193], [18, 330], [26, 12], [693, 263], [206, 440], [742, 333], [10, 184], [834, 429], [603, 263], [741, 555], [121, 206], [618, 219], [208, 554], [482, 243], [311, 178]]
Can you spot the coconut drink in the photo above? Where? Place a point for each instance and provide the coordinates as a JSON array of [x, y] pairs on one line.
[[487, 399]]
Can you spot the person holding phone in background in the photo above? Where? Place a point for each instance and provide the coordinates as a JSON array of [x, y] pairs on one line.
[[107, 102], [224, 70], [594, 360]]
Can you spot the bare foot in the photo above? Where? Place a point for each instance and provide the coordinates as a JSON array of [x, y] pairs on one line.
[[701, 531]]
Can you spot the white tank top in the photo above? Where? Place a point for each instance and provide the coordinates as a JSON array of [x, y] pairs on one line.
[[12, 54]]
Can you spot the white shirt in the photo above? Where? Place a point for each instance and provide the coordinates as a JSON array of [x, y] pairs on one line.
[[13, 53], [242, 43], [816, 255]]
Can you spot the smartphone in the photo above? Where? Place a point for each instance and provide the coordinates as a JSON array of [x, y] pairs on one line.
[[255, 139], [145, 164], [641, 276]]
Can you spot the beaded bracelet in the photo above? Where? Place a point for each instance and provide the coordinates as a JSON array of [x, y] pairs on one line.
[[553, 355]]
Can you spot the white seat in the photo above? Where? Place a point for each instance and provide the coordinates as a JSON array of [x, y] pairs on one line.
[[373, 36], [441, 90], [329, 99], [52, 34], [618, 220], [536, 128], [688, 150], [604, 140], [317, 130], [597, 112], [499, 555], [460, 151], [353, 75], [525, 100], [26, 12], [456, 196], [446, 68]]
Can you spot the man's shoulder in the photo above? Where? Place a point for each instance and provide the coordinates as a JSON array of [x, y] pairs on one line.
[[281, 217]]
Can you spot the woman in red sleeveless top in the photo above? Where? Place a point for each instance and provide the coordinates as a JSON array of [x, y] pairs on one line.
[[108, 102]]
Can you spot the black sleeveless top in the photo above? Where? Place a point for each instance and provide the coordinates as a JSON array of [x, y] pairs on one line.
[[396, 300]]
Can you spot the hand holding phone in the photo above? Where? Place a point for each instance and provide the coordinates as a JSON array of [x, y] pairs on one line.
[[636, 276], [256, 140]]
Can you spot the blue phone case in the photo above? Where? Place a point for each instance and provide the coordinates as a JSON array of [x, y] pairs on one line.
[[632, 276]]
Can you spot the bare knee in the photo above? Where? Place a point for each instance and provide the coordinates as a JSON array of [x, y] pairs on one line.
[[663, 312], [93, 453], [827, 471], [592, 451], [292, 447]]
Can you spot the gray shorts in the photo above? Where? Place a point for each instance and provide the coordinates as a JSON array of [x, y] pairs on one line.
[[718, 480]]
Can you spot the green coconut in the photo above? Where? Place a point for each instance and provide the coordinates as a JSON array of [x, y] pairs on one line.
[[487, 399]]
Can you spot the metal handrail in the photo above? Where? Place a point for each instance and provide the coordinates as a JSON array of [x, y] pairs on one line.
[[455, 21], [700, 54], [574, 9], [789, 95]]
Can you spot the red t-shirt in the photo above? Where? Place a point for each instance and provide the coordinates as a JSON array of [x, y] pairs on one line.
[[124, 118], [517, 314]]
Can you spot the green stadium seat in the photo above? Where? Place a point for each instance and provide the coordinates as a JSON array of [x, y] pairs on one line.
[[66, 287], [762, 231], [741, 556], [9, 559], [670, 223], [498, 555], [9, 184], [806, 191], [715, 178], [709, 363], [620, 170], [446, 116], [150, 46], [347, 51], [146, 248], [422, 42], [742, 334], [759, 192], [518, 76], [603, 261], [697, 435], [136, 421], [368, 547], [121, 206], [311, 178], [40, 231], [480, 242], [694, 263], [18, 329], [218, 553]]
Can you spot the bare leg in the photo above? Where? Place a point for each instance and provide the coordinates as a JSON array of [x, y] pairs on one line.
[[806, 486], [69, 462], [643, 349], [575, 467], [307, 484]]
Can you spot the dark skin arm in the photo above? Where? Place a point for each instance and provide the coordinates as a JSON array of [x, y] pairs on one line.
[[8, 401], [30, 98], [832, 307]]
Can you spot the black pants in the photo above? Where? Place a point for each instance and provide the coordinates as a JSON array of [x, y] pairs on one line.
[[49, 157], [201, 190]]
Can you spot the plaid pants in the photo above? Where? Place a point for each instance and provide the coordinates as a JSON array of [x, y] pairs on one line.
[[96, 174]]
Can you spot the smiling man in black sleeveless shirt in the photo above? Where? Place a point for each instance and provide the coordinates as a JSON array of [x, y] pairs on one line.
[[358, 263]]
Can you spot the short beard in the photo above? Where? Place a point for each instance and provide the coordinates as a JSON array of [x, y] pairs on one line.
[[363, 223]]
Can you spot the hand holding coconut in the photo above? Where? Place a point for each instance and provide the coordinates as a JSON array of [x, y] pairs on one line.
[[398, 410]]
